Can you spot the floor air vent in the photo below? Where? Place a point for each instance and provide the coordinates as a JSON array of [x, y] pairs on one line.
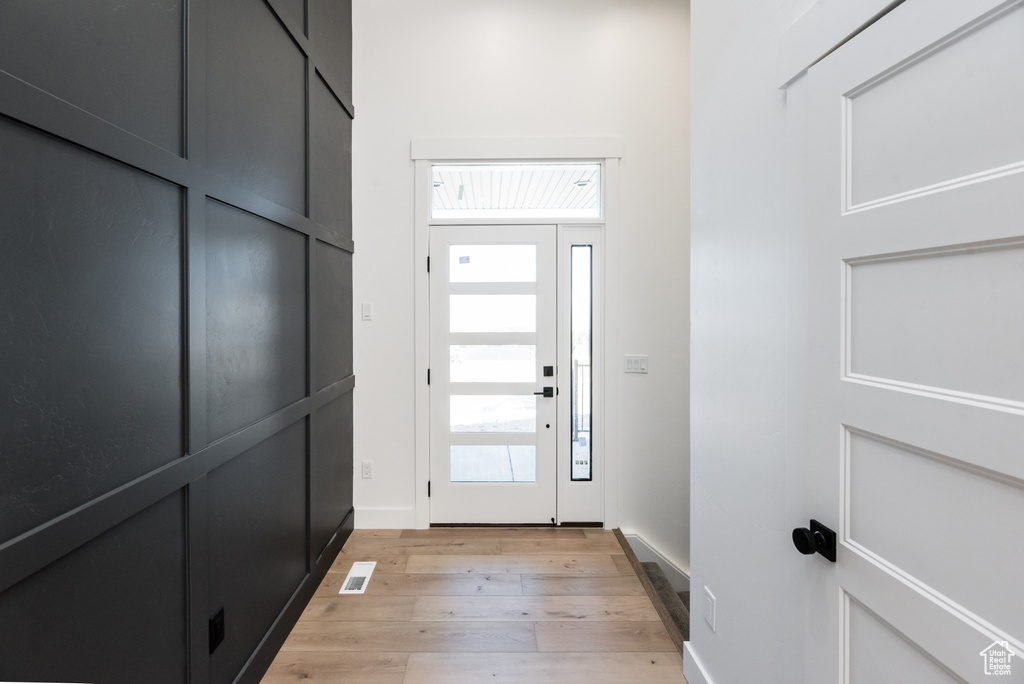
[[358, 577]]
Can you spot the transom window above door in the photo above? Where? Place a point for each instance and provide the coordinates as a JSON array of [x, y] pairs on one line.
[[523, 190]]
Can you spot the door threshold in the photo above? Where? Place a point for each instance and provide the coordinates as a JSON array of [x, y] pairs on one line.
[[492, 524], [565, 524]]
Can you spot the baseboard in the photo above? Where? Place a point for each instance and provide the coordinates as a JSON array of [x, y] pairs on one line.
[[693, 669], [385, 518], [679, 580]]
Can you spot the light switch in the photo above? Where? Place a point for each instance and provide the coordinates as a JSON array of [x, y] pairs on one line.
[[636, 363], [367, 311]]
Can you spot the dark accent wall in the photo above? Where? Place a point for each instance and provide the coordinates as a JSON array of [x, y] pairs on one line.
[[175, 331]]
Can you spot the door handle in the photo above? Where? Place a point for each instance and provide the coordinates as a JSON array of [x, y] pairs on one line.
[[548, 392], [817, 539]]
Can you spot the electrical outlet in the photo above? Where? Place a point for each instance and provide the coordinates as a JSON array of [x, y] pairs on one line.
[[709, 609], [367, 470]]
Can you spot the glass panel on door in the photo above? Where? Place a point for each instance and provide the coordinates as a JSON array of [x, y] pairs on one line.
[[492, 263], [489, 463], [490, 413], [493, 362], [498, 313]]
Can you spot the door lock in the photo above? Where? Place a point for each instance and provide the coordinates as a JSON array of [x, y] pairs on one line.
[[548, 392], [818, 539]]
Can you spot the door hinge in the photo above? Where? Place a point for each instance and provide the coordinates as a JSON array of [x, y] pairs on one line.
[[428, 376], [428, 489], [428, 264]]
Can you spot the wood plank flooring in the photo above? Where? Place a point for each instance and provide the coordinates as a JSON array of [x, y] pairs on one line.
[[502, 605]]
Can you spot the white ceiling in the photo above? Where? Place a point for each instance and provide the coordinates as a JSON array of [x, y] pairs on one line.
[[537, 190]]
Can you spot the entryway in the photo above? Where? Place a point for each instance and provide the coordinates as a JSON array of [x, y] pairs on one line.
[[513, 364]]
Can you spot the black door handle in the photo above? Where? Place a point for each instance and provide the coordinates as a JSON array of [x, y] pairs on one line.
[[548, 392], [817, 539]]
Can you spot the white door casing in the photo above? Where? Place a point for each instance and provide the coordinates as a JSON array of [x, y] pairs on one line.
[[495, 463], [915, 224]]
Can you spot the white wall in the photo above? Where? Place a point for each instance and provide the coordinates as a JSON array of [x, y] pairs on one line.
[[741, 431], [531, 68]]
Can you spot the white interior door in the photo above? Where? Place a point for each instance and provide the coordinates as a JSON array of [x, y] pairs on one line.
[[916, 231], [492, 341]]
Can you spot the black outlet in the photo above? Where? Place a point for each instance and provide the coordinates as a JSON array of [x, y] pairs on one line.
[[216, 630]]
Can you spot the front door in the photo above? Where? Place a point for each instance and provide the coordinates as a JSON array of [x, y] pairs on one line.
[[492, 374], [916, 444]]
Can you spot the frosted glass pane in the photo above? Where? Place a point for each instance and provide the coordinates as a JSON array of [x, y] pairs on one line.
[[493, 463], [493, 413], [493, 313], [493, 363], [492, 263]]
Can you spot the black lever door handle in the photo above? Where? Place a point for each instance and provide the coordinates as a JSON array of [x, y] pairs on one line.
[[817, 539], [548, 392]]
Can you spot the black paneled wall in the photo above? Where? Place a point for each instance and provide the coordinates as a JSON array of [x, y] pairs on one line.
[[175, 331]]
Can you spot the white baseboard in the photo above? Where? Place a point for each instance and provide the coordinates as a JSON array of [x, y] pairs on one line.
[[646, 553], [385, 518], [693, 669]]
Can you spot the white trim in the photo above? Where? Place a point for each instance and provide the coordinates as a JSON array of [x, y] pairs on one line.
[[385, 518], [693, 668], [421, 341], [610, 343], [445, 149], [677, 577], [824, 27], [606, 150]]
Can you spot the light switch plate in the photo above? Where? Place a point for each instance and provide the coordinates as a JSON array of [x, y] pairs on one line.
[[636, 363], [367, 311], [710, 609]]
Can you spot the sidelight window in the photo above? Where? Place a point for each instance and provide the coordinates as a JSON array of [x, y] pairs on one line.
[[582, 340]]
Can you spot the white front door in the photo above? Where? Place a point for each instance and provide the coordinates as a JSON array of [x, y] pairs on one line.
[[915, 217], [492, 358]]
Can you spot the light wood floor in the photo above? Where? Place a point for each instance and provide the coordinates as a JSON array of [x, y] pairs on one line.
[[501, 605]]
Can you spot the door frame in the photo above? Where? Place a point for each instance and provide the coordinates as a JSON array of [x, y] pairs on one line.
[[607, 151]]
